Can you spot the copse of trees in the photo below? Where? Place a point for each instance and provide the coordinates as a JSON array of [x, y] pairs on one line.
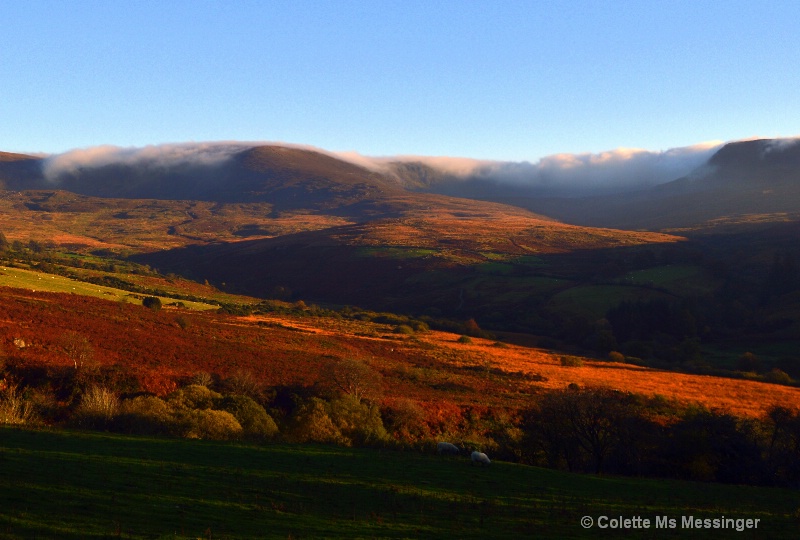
[[599, 430]]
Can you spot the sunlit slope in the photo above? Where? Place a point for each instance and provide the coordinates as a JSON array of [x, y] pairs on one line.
[[159, 349]]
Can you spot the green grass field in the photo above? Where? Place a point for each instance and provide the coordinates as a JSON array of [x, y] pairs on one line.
[[595, 300], [71, 485], [39, 281], [678, 279]]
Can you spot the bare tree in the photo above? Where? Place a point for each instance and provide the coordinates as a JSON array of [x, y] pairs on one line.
[[77, 348], [354, 378]]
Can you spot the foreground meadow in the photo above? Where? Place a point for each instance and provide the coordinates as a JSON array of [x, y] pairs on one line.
[[61, 484]]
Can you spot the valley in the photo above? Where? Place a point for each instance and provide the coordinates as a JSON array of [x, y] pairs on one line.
[[281, 295]]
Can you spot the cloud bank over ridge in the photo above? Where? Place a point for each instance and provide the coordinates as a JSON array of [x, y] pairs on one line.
[[571, 174], [162, 156], [622, 169]]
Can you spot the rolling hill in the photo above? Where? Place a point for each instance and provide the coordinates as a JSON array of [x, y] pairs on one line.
[[293, 223], [271, 217], [742, 182]]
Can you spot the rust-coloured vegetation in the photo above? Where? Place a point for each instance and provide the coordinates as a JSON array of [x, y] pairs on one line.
[[164, 349]]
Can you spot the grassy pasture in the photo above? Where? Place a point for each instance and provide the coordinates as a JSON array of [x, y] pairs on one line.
[[399, 252], [678, 279], [58, 484], [39, 281], [596, 300]]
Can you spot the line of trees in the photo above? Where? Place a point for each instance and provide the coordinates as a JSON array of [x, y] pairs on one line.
[[600, 430]]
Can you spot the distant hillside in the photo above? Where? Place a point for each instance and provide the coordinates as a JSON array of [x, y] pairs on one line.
[[17, 171], [297, 224], [742, 181], [411, 263], [288, 178]]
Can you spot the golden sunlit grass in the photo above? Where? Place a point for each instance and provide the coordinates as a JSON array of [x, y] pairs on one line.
[[470, 230], [463, 230], [39, 281], [427, 366], [738, 396], [441, 350], [88, 223]]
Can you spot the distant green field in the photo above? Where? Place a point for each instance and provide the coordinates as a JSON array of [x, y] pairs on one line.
[[398, 252], [495, 268], [39, 281], [596, 300], [72, 485], [680, 279]]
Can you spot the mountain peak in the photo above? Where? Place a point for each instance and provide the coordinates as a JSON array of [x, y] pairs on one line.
[[10, 157], [757, 152]]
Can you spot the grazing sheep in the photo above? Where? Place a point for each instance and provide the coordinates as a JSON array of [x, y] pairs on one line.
[[480, 458], [447, 449]]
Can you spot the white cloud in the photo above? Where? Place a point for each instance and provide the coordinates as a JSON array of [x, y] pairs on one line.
[[564, 174], [163, 155], [614, 170]]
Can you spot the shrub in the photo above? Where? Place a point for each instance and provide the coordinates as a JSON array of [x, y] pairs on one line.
[[464, 339], [616, 356], [777, 376], [636, 361], [312, 423], [419, 326], [152, 302], [209, 424], [748, 362], [180, 320], [203, 378], [193, 396], [97, 408], [571, 361], [403, 329], [145, 415], [255, 421], [406, 420], [14, 408], [243, 382], [358, 422]]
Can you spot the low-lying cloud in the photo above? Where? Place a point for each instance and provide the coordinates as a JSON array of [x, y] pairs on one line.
[[617, 170], [160, 156], [577, 174]]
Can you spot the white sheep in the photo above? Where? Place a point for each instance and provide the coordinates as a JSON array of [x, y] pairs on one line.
[[448, 449], [480, 458]]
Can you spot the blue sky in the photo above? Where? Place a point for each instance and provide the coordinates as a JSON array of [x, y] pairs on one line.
[[503, 80]]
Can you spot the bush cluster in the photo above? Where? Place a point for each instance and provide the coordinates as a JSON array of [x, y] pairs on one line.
[[601, 430], [595, 430]]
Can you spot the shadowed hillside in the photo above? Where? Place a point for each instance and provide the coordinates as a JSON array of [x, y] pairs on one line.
[[288, 178], [17, 171], [741, 182]]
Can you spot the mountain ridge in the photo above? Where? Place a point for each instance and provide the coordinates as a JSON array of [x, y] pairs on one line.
[[757, 177]]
